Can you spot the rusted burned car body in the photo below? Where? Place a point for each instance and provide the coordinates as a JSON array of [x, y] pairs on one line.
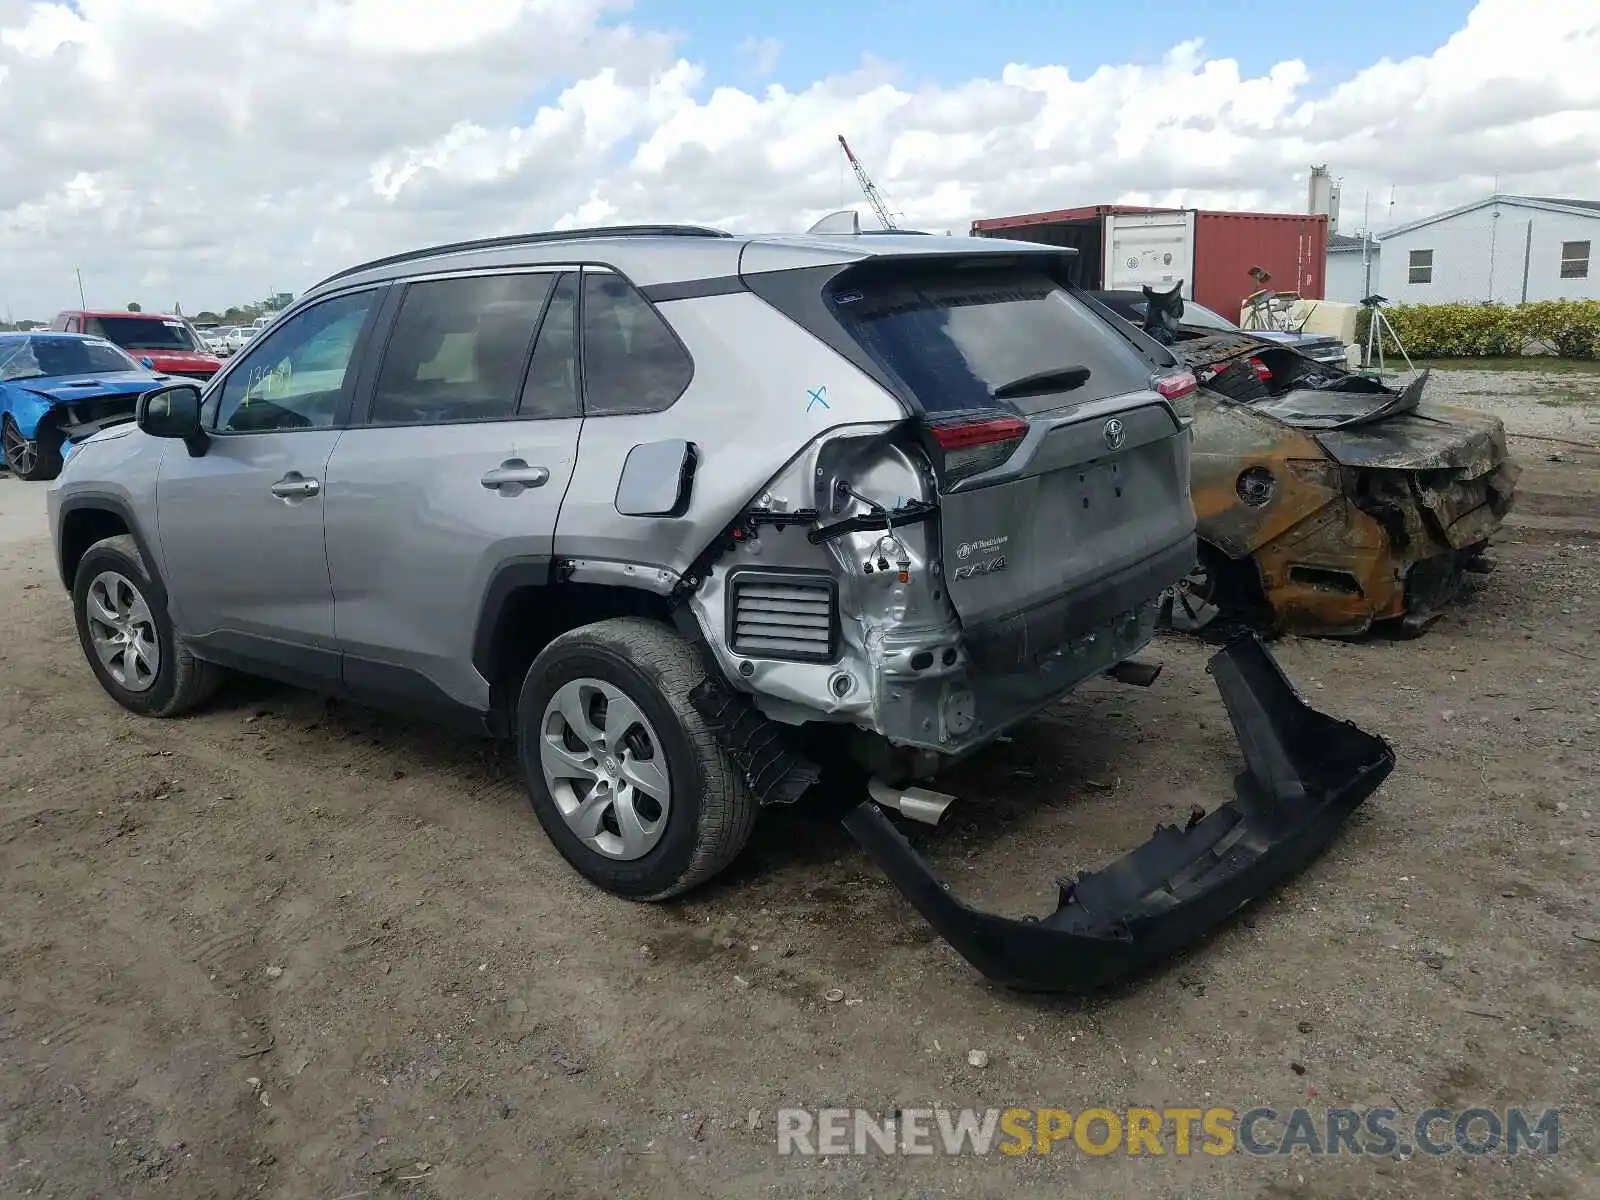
[[1328, 502]]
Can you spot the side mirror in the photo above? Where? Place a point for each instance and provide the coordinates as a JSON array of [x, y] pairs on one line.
[[148, 363], [173, 412]]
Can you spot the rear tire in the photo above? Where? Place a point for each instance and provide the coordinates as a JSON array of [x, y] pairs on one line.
[[123, 625], [604, 706], [35, 459]]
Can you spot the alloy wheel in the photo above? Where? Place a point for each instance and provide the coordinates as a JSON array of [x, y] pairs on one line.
[[122, 631], [22, 454], [605, 768]]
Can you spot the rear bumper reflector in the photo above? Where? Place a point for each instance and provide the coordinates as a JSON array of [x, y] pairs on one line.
[[1306, 772]]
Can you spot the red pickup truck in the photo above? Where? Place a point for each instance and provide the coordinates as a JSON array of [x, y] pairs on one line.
[[167, 342]]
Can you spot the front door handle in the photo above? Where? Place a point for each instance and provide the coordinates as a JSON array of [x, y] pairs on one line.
[[511, 476], [295, 486]]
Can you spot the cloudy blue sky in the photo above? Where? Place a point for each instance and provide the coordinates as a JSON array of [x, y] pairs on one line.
[[942, 42], [208, 151]]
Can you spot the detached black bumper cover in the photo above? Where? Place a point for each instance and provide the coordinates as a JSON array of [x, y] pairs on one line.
[[1306, 772]]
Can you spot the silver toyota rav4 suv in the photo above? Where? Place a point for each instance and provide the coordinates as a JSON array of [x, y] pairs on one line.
[[673, 508]]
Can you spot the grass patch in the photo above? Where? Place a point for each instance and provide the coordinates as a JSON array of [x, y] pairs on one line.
[[1531, 364]]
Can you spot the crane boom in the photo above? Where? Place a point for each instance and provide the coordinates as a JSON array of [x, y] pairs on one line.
[[868, 188]]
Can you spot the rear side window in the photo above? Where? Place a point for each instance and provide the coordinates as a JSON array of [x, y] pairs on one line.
[[955, 336], [459, 349], [551, 389], [632, 363]]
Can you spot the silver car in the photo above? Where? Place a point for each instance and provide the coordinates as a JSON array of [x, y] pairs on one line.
[[681, 512]]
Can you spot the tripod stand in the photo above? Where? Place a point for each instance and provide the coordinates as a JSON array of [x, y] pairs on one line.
[[1376, 328]]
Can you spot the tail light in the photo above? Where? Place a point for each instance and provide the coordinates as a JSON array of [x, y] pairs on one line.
[[1178, 390], [970, 445]]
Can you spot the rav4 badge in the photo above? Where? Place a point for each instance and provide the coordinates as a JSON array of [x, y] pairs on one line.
[[988, 567]]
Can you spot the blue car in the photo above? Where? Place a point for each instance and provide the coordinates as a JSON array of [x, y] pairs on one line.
[[56, 389]]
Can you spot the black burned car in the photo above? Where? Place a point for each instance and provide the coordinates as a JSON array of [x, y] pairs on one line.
[[1327, 501]]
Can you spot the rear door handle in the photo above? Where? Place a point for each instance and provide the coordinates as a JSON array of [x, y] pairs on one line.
[[511, 476], [295, 486]]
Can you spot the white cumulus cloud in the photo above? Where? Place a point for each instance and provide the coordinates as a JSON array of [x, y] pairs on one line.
[[211, 150]]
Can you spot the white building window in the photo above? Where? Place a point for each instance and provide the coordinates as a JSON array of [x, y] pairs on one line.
[[1574, 260], [1421, 266]]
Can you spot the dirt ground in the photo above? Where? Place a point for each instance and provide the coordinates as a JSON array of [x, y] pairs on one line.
[[289, 948]]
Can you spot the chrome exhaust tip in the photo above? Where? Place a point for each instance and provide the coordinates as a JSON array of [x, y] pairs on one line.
[[913, 803]]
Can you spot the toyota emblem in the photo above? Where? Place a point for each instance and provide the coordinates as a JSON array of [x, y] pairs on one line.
[[1115, 434]]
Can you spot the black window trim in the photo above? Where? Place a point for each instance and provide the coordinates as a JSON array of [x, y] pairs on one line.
[[1413, 266], [355, 380], [583, 394], [361, 418], [1575, 261], [577, 349], [402, 288]]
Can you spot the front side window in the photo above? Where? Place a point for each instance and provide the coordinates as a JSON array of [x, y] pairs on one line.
[[1420, 266], [632, 363], [296, 378], [144, 333], [957, 337], [459, 350]]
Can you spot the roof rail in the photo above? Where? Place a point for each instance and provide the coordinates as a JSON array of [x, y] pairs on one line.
[[526, 239]]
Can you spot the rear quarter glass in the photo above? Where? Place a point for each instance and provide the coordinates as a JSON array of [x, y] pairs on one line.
[[953, 337]]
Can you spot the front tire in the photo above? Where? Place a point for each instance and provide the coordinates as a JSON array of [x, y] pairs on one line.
[[35, 459], [128, 638], [624, 775]]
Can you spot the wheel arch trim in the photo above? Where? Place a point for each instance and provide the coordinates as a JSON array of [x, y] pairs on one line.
[[99, 501]]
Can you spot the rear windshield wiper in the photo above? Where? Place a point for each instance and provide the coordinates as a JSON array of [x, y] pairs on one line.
[[1058, 379]]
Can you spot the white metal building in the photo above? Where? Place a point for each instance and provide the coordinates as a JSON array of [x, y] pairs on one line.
[[1350, 277], [1507, 249]]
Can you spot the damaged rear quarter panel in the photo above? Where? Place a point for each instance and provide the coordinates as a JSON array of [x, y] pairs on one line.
[[791, 389], [884, 620]]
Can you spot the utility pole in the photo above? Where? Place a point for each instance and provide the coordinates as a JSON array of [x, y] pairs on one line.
[[82, 303], [1494, 229], [1366, 245], [1527, 259]]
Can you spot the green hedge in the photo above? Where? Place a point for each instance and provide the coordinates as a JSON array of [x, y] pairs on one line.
[[1569, 328]]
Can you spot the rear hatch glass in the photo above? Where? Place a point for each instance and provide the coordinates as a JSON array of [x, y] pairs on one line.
[[954, 336]]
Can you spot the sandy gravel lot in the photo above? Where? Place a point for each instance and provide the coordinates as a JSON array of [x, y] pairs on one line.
[[293, 949]]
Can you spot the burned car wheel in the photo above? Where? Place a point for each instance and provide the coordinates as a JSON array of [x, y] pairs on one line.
[[127, 635], [1217, 600], [623, 774], [36, 458], [1190, 605]]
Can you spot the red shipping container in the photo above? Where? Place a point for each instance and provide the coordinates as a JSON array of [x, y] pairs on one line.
[[1123, 245], [1291, 247]]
